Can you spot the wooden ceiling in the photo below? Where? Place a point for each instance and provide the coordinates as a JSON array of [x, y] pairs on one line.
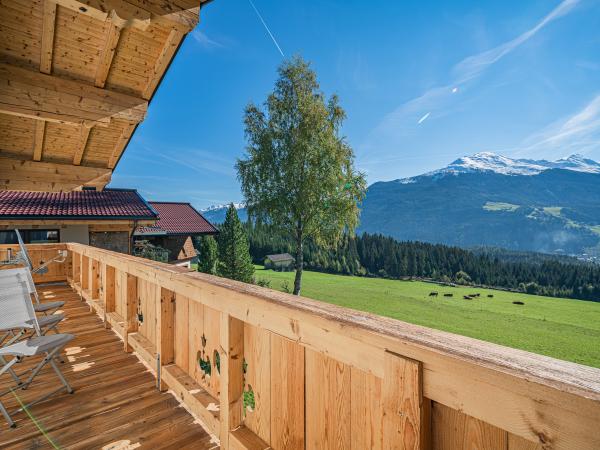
[[75, 80]]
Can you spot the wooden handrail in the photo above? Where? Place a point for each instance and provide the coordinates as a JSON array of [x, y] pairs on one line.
[[324, 376]]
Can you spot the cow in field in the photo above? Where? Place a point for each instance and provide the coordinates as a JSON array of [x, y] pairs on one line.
[[433, 294], [448, 295]]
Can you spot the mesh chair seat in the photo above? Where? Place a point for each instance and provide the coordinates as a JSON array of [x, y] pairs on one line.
[[37, 345], [47, 306], [48, 321]]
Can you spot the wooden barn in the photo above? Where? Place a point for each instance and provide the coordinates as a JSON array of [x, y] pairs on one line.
[[281, 261]]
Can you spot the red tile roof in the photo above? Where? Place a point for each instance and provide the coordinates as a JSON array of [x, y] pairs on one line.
[[106, 204], [177, 218]]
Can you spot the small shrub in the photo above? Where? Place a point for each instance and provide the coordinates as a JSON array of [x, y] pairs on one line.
[[263, 283], [285, 286]]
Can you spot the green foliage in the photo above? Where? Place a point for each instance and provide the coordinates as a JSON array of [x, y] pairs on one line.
[[298, 174], [146, 249], [561, 328], [381, 256], [263, 283], [234, 256], [208, 254]]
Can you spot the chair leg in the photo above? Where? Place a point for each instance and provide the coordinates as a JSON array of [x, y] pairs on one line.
[[7, 416], [61, 376]]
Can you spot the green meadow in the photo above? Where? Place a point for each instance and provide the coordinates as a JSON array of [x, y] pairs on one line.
[[561, 328]]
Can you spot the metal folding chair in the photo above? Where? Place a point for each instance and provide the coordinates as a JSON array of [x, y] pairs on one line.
[[45, 307], [16, 313]]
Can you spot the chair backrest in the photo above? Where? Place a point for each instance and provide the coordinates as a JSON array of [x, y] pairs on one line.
[[6, 276], [23, 251], [16, 309]]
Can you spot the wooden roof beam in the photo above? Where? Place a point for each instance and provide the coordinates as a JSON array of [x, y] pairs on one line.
[[48, 24], [120, 145], [113, 33], [83, 138], [38, 139], [39, 96], [138, 13], [26, 175]]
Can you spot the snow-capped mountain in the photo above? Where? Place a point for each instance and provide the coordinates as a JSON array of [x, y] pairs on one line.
[[216, 213], [492, 162], [223, 206]]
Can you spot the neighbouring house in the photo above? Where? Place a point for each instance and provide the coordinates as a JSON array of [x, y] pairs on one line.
[[105, 219], [281, 261], [178, 223]]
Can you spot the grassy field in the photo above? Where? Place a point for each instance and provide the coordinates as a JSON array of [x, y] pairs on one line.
[[561, 328]]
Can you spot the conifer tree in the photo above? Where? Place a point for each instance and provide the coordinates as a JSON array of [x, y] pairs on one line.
[[234, 251], [208, 258]]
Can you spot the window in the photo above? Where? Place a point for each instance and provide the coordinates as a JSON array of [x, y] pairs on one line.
[[30, 236]]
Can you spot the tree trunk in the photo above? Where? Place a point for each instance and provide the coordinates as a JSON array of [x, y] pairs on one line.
[[299, 260]]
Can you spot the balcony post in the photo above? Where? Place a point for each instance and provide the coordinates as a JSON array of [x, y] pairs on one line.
[[231, 376], [107, 290], [406, 415], [129, 296], [165, 330]]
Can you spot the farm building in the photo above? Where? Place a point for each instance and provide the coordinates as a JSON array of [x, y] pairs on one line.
[[281, 261], [177, 225], [104, 219]]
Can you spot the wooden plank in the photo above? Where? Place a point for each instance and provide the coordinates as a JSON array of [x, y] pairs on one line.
[[40, 96], [182, 331], [111, 41], [212, 334], [454, 430], [38, 139], [94, 283], [244, 439], [232, 376], [257, 355], [327, 402], [108, 288], [84, 134], [145, 349], [32, 175], [85, 273], [196, 338], [193, 395], [131, 303], [165, 327], [120, 145], [163, 60], [518, 443], [48, 23], [366, 410], [122, 13], [287, 394], [402, 400]]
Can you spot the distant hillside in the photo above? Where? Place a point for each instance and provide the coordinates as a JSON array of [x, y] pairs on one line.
[[522, 206], [216, 214]]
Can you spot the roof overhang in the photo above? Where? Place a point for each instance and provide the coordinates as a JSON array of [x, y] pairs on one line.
[[76, 77]]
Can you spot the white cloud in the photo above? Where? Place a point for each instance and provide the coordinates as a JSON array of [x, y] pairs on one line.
[[577, 133], [400, 122], [204, 41]]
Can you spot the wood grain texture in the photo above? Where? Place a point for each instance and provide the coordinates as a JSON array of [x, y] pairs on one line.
[[453, 430], [402, 399], [518, 443], [287, 394], [257, 354], [38, 144], [328, 403], [182, 332], [366, 410], [48, 24]]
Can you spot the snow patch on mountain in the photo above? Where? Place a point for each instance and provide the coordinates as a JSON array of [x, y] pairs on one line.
[[223, 206], [492, 162]]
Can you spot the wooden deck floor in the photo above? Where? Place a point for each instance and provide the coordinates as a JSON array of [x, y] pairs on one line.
[[115, 405]]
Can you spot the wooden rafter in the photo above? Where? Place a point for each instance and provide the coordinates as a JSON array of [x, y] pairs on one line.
[[48, 24], [43, 176], [39, 96], [120, 145], [163, 60], [138, 13], [38, 139], [83, 138], [111, 41]]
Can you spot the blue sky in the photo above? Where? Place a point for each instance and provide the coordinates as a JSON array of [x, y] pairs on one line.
[[423, 83]]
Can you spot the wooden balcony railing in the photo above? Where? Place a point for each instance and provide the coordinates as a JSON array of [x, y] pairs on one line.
[[264, 369]]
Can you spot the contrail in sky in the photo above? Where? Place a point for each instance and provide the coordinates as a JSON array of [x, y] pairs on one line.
[[424, 118], [266, 27]]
